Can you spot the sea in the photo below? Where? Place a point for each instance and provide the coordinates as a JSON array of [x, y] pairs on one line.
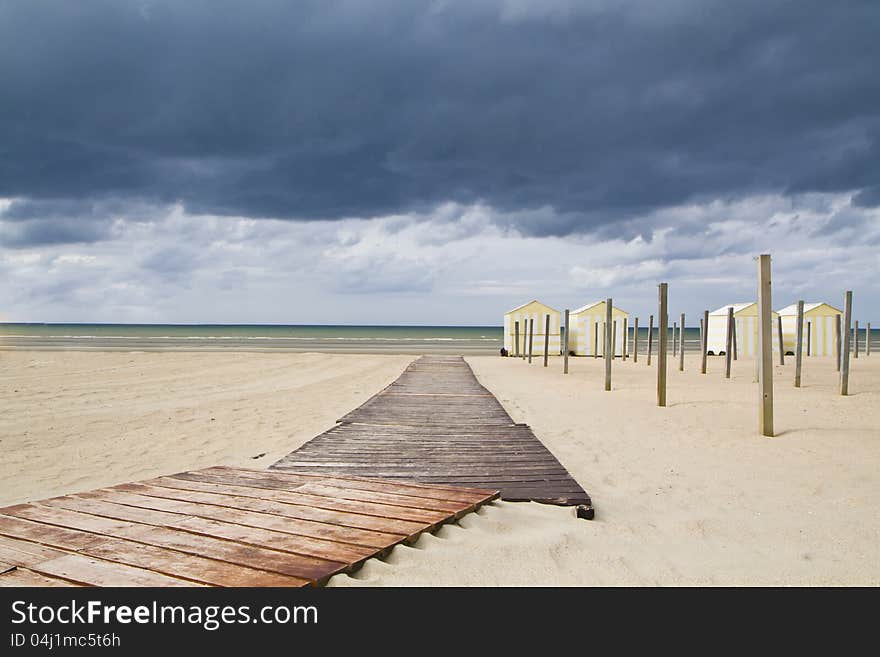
[[464, 340]]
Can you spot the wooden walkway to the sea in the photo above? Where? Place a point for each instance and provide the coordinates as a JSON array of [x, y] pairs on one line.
[[436, 424], [220, 527]]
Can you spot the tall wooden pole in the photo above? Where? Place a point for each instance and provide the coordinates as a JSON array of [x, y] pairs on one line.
[[596, 340], [837, 340], [799, 345], [733, 328], [625, 339], [662, 347], [856, 340], [809, 337], [636, 340], [704, 337], [565, 346], [546, 339], [728, 353], [765, 346], [614, 339], [531, 338], [779, 337], [650, 337], [609, 344], [681, 344], [516, 339], [868, 339], [844, 365]]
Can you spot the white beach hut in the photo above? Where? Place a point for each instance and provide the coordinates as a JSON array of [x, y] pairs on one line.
[[745, 316], [819, 326], [537, 311], [587, 326]]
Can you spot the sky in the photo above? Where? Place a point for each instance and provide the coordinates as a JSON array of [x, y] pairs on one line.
[[418, 162]]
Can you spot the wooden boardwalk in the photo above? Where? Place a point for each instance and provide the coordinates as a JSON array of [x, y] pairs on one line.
[[436, 424], [220, 527]]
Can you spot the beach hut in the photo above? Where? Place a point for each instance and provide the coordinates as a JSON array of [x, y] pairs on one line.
[[584, 332], [537, 311], [745, 316], [819, 317]]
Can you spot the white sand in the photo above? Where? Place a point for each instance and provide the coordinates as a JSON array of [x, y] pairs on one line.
[[690, 494], [79, 420]]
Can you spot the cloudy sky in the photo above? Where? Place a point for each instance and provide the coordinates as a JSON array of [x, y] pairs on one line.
[[432, 162]]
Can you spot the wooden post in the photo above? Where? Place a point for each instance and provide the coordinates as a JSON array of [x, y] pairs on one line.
[[531, 338], [799, 346], [728, 354], [856, 340], [546, 339], [844, 365], [868, 339], [674, 340], [609, 344], [636, 340], [733, 328], [781, 343], [809, 337], [662, 337], [837, 340], [562, 330], [681, 344], [596, 340], [765, 346], [625, 339], [650, 337], [565, 346], [516, 331], [704, 338], [614, 339]]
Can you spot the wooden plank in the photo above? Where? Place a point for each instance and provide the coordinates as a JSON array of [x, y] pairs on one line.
[[260, 513], [307, 568], [469, 495], [169, 562], [378, 509], [21, 577], [729, 342], [89, 571]]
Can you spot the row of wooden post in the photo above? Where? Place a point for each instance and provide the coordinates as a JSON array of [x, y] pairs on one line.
[[764, 347]]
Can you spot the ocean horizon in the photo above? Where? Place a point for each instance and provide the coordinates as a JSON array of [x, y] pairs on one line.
[[335, 338]]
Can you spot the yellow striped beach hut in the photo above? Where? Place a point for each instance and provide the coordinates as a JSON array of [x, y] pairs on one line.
[[822, 328], [745, 316], [584, 332], [533, 310]]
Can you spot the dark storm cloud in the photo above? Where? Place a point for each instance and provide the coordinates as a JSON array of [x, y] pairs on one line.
[[597, 110]]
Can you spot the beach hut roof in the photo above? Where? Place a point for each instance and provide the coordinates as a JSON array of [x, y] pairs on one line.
[[792, 309], [595, 303], [736, 308], [521, 306]]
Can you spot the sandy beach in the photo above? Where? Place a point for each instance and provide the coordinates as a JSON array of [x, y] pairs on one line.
[[685, 495]]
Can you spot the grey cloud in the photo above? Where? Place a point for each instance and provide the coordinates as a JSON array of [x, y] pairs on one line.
[[307, 110]]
